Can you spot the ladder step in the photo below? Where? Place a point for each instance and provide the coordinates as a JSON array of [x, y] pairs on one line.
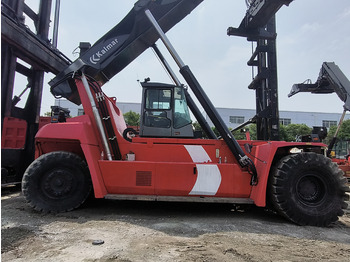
[[257, 79], [258, 49]]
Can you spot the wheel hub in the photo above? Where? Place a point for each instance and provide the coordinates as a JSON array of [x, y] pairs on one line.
[[310, 189], [57, 183]]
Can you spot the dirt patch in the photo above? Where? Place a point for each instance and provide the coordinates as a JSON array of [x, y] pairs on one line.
[[13, 236], [155, 231]]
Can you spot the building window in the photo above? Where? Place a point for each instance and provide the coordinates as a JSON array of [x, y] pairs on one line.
[[237, 119], [329, 123], [285, 121]]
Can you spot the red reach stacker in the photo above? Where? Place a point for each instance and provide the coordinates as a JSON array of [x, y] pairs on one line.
[[165, 161]]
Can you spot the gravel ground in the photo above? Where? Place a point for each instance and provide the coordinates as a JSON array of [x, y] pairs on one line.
[[123, 231]]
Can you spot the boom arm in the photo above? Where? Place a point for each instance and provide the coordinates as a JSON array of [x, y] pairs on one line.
[[331, 79], [122, 44]]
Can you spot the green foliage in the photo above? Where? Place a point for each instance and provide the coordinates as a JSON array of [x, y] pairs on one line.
[[292, 131], [216, 132], [331, 131], [238, 134], [252, 131], [132, 118], [288, 133], [197, 126], [283, 133], [344, 132], [242, 133]]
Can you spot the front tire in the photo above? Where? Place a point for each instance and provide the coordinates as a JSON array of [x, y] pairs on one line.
[[56, 182], [308, 189]]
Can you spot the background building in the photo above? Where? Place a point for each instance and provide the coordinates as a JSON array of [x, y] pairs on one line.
[[233, 117]]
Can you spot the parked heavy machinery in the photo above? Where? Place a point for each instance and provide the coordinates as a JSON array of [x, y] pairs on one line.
[[330, 80], [95, 152], [27, 53]]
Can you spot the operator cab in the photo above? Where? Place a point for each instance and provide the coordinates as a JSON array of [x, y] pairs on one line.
[[164, 111]]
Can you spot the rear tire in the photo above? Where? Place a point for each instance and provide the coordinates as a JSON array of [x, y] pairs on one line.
[[308, 189], [56, 182]]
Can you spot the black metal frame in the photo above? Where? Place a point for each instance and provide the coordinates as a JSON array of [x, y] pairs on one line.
[[331, 79], [18, 42], [259, 26]]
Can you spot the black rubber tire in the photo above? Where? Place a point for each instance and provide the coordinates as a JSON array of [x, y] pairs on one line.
[[308, 189], [57, 182]]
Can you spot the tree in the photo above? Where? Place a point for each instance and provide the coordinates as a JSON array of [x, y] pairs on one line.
[[288, 133], [132, 118], [252, 131], [197, 127], [292, 131], [241, 134], [283, 133], [344, 131], [238, 134]]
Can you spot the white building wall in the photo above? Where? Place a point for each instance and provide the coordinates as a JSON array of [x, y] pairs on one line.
[[309, 118], [126, 107]]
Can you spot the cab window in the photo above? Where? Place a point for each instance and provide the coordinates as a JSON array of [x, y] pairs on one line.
[[181, 114], [158, 99]]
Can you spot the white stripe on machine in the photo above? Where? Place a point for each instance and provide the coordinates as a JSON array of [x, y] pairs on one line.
[[208, 180], [198, 154]]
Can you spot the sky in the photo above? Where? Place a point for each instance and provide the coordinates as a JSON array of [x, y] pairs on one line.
[[308, 33]]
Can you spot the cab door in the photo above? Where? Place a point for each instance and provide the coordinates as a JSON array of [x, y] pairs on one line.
[[164, 111]]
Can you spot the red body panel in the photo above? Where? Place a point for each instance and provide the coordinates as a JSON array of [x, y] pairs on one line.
[[344, 165], [169, 179], [78, 128], [13, 133]]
